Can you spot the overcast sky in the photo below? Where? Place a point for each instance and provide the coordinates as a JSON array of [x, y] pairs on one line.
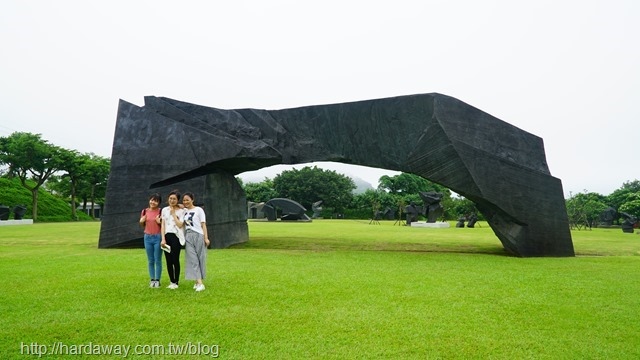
[[567, 71]]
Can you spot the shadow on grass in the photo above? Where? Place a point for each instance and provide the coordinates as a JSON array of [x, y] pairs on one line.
[[320, 245]]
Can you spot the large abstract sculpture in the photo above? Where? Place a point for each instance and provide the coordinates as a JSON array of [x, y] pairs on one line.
[[490, 162]]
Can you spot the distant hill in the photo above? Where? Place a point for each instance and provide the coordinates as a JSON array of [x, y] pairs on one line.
[[361, 185]]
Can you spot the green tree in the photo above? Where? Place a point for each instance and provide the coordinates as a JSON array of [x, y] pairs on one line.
[[260, 192], [92, 186], [406, 183], [29, 157], [622, 195], [363, 204], [407, 187], [76, 168], [309, 185], [584, 209], [631, 205], [619, 196], [59, 186], [461, 206]]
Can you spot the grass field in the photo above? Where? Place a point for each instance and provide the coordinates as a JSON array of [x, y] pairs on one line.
[[334, 289]]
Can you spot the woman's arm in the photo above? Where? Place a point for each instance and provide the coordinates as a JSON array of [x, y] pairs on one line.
[[159, 217], [203, 224], [205, 232], [162, 231], [143, 217], [176, 218]]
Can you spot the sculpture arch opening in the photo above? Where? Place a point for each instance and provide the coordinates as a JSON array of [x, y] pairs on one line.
[[360, 174], [499, 167]]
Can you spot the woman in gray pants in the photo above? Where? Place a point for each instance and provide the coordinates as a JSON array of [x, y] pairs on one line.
[[197, 241]]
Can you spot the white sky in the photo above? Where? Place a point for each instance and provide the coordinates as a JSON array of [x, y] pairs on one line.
[[567, 71]]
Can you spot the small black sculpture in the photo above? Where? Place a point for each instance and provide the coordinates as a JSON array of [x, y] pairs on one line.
[[629, 223], [317, 209], [473, 218], [607, 216], [388, 214], [460, 223], [291, 210], [19, 211], [255, 210], [4, 212], [433, 210], [412, 211]]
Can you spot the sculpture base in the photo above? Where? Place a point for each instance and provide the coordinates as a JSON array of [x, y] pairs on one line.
[[16, 222], [437, 225]]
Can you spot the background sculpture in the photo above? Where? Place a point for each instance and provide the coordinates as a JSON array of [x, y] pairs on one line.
[[411, 212], [4, 212], [317, 209], [254, 210], [19, 211], [388, 214], [608, 216], [499, 167], [473, 218], [432, 207], [629, 222], [291, 210]]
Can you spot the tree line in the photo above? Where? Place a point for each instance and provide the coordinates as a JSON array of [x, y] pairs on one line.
[[73, 175], [590, 209], [311, 184]]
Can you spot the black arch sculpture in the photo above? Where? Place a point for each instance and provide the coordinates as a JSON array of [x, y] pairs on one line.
[[169, 144]]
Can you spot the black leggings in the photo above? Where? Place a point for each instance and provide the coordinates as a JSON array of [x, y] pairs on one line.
[[173, 258]]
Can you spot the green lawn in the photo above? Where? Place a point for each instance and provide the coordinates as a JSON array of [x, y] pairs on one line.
[[335, 289]]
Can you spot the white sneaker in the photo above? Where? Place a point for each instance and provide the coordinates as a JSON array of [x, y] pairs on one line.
[[172, 286], [200, 287], [195, 286], [152, 284]]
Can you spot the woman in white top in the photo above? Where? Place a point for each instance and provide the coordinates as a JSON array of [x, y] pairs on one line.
[[197, 241], [172, 235]]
